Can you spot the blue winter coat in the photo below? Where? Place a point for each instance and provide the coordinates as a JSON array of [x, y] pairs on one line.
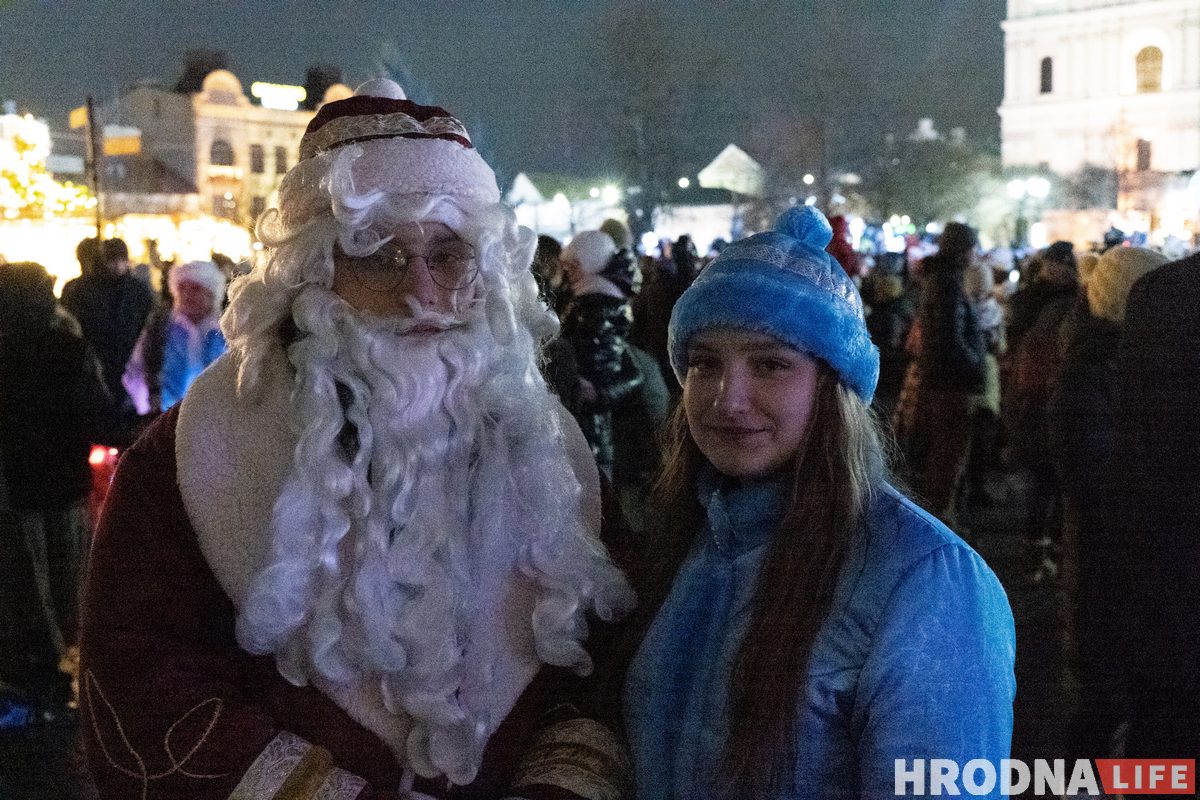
[[915, 660]]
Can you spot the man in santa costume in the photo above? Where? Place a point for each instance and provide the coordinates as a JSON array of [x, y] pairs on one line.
[[356, 560]]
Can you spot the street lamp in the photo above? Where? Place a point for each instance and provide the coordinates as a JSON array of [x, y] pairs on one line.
[[1021, 189]]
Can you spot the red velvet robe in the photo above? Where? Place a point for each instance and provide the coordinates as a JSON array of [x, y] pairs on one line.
[[172, 707]]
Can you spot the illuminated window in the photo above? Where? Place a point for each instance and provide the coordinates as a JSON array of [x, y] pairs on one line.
[[258, 159], [1149, 69], [1047, 75], [221, 153], [281, 164], [1143, 155]]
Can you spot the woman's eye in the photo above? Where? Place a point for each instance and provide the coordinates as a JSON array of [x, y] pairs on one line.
[[773, 365], [700, 363]]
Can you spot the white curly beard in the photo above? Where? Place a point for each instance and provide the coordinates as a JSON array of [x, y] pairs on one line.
[[399, 550]]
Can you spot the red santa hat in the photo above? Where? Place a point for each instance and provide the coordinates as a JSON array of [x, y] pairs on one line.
[[406, 148]]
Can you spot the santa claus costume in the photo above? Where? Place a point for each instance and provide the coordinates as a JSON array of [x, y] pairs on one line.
[[357, 560]]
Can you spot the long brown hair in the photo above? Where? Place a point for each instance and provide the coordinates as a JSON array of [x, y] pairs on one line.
[[833, 478]]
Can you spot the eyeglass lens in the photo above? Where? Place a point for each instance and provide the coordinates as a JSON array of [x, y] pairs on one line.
[[451, 266]]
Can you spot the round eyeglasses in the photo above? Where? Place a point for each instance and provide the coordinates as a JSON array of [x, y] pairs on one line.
[[451, 266]]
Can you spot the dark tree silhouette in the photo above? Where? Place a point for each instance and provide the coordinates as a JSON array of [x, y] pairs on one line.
[[198, 62], [317, 79]]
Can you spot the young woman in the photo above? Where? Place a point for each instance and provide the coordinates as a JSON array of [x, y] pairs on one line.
[[807, 624]]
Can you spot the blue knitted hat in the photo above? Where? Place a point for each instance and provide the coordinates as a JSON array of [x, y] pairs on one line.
[[783, 284]]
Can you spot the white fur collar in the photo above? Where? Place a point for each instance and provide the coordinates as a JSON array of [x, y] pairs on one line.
[[233, 457]]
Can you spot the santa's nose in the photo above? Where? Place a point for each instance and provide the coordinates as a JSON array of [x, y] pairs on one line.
[[419, 284]]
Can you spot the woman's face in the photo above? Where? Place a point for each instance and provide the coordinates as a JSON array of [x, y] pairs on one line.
[[748, 398]]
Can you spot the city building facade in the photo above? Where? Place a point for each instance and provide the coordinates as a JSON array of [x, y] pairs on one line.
[[233, 151], [1112, 85]]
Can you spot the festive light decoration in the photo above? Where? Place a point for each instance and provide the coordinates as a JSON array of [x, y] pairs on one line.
[[27, 189]]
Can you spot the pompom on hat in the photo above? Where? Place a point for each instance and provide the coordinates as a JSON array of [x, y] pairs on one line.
[[406, 148], [783, 284]]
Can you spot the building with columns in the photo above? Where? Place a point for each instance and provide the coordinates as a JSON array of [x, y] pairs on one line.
[[1112, 84]]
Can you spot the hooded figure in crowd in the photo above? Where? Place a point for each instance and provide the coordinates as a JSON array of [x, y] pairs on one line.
[[356, 561], [179, 342], [597, 325]]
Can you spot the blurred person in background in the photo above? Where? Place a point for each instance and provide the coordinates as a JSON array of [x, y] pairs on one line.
[[889, 322], [558, 357], [179, 342], [637, 417], [112, 307], [979, 285], [597, 326], [1083, 429], [1036, 316], [1153, 514], [672, 274], [53, 406], [550, 275], [951, 361], [841, 248]]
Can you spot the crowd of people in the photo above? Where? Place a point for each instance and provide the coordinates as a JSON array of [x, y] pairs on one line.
[[441, 508], [90, 369], [1063, 384]]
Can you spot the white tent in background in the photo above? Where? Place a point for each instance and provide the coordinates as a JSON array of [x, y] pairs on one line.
[[735, 171], [523, 191]]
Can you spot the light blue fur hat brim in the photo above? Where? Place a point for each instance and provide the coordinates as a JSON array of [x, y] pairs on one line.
[[782, 284]]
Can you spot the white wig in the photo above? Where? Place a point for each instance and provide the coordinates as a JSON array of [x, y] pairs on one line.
[[429, 477], [334, 197]]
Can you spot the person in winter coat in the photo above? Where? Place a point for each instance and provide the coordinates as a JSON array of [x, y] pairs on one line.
[[979, 283], [548, 272], [889, 323], [112, 307], [1153, 514], [53, 406], [841, 249], [952, 366], [1083, 430], [652, 308], [637, 418], [597, 326], [1036, 316], [178, 343], [806, 625], [558, 357]]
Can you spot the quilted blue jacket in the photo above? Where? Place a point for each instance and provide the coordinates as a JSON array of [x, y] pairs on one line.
[[915, 660]]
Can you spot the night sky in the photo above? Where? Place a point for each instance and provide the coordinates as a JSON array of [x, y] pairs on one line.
[[532, 79]]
